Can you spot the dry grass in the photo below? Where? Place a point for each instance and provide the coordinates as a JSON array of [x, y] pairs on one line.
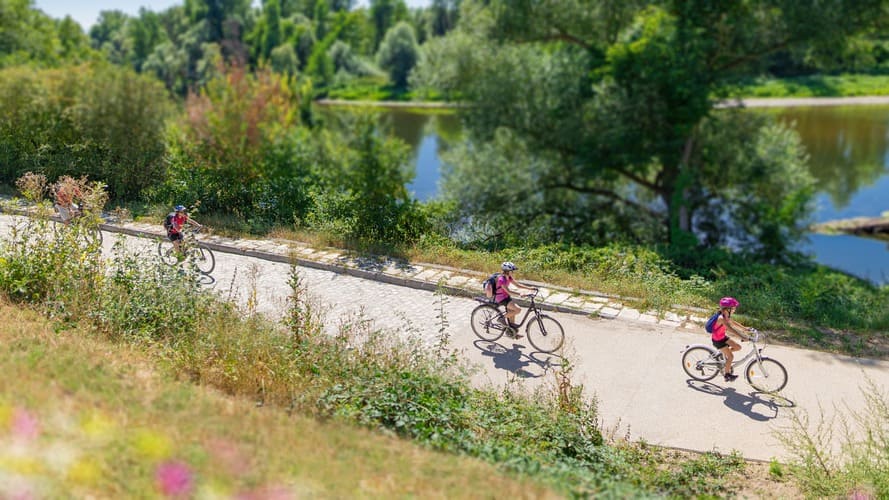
[[90, 418]]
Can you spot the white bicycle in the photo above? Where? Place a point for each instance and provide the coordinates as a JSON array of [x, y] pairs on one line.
[[703, 362]]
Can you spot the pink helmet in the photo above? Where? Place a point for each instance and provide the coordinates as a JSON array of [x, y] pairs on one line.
[[728, 302]]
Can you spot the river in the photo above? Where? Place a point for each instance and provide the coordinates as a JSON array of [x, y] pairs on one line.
[[848, 146]]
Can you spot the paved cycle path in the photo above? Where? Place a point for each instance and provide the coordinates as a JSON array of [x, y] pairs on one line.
[[629, 363]]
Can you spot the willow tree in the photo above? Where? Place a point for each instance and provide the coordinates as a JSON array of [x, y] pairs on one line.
[[614, 104]]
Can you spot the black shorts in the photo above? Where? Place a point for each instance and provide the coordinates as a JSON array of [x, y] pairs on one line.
[[504, 301], [719, 344], [174, 236]]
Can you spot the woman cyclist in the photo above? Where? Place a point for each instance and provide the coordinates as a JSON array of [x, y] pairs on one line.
[[503, 296], [724, 324]]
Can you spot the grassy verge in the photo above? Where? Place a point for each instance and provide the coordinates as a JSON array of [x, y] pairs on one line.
[[844, 85], [847, 85], [83, 417]]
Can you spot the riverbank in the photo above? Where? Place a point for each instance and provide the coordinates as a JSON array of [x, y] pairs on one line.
[[872, 227], [752, 102]]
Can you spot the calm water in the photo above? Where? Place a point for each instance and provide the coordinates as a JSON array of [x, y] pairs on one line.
[[849, 148]]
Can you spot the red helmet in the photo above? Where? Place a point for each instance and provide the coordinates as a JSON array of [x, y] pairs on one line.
[[729, 302]]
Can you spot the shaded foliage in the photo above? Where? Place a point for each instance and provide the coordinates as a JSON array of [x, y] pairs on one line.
[[97, 120]]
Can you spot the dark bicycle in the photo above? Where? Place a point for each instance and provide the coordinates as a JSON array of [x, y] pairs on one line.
[[544, 332], [192, 251]]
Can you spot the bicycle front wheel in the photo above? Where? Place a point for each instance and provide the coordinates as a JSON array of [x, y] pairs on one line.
[[204, 259], [167, 252], [766, 375], [485, 323], [545, 333], [699, 364], [94, 236]]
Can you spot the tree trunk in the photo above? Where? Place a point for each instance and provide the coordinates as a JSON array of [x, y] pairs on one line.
[[676, 195]]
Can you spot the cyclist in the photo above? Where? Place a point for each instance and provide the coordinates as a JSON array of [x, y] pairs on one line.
[[503, 295], [65, 193], [721, 340], [175, 222]]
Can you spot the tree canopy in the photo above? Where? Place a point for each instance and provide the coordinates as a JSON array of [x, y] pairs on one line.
[[614, 103]]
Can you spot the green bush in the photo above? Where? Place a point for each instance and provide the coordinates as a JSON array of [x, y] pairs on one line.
[[97, 120]]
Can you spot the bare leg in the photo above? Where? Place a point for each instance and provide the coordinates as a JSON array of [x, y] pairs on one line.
[[512, 310]]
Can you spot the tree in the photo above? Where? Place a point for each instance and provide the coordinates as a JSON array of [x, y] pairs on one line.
[[399, 53], [442, 15], [145, 33], [614, 96], [271, 37], [384, 14], [284, 59]]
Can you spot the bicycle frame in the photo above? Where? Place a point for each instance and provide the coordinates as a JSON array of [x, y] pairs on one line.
[[754, 351], [531, 308]]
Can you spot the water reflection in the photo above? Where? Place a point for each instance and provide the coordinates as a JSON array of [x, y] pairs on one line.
[[847, 146], [849, 154]]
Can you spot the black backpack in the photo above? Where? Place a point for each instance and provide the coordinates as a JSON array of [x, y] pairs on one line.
[[168, 220], [490, 285]]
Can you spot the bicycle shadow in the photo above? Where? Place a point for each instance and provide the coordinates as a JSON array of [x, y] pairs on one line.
[[513, 360], [746, 404], [206, 280]]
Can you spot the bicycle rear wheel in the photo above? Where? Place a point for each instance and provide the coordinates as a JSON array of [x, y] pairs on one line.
[[766, 375], [485, 323], [204, 259], [167, 252], [698, 363], [545, 333]]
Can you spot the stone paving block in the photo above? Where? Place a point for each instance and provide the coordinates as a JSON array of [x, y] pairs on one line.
[[697, 319], [327, 257], [647, 318], [666, 322], [392, 270], [671, 316], [601, 300], [608, 312], [591, 306], [426, 275], [629, 313], [413, 271], [557, 298], [575, 301], [460, 281]]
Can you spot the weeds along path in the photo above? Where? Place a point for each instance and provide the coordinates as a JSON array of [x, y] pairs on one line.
[[632, 368]]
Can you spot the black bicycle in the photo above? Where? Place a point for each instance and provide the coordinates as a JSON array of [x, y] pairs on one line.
[[192, 251], [544, 332]]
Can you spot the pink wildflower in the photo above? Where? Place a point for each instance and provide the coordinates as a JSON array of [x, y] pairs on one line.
[[24, 425], [173, 478]]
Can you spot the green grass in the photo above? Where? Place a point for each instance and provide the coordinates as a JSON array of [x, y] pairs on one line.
[[847, 85], [85, 417]]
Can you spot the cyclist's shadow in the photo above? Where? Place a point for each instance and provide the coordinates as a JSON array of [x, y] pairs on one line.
[[747, 404], [512, 359]]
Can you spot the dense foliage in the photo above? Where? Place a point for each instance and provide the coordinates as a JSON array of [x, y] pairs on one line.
[[600, 118], [242, 149], [98, 120]]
